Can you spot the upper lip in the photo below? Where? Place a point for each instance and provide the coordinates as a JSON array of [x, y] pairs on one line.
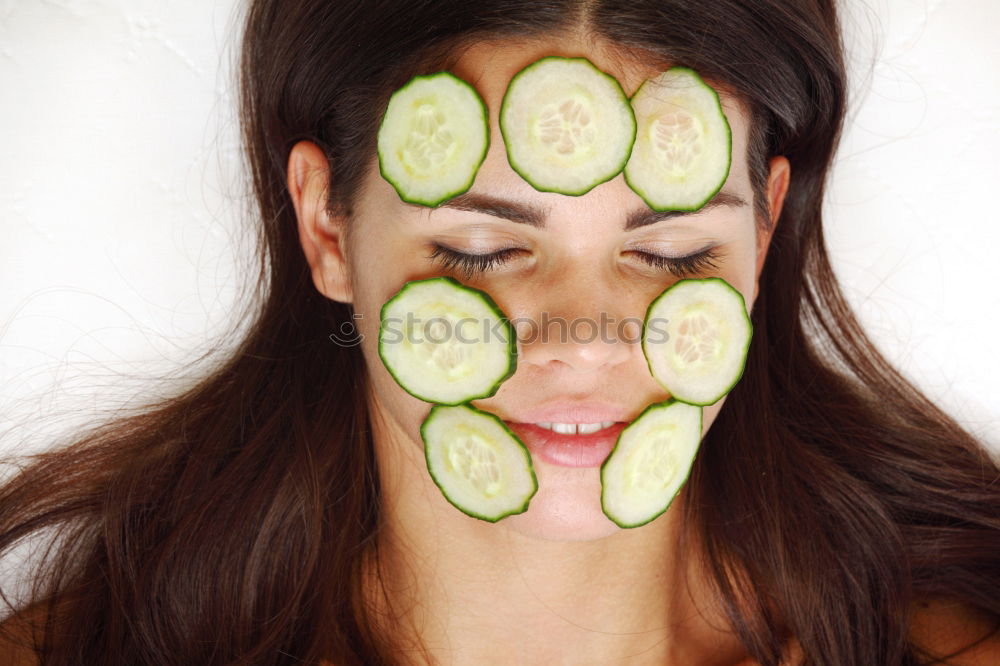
[[572, 412]]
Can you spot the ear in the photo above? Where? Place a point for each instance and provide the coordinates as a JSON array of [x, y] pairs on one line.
[[321, 235], [777, 188]]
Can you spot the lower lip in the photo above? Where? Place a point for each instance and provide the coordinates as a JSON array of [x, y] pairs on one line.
[[568, 450]]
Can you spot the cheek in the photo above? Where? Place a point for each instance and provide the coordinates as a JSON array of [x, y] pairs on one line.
[[374, 280], [740, 268], [377, 274], [389, 403], [709, 414], [380, 262]]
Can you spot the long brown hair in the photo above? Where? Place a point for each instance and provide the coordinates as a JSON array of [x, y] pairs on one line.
[[230, 523]]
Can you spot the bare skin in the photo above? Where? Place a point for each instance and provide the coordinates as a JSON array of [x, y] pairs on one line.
[[559, 583]]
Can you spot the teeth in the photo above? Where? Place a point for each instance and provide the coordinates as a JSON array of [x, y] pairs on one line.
[[575, 428], [587, 428]]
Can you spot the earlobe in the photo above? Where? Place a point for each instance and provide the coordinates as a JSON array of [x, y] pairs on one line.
[[321, 235]]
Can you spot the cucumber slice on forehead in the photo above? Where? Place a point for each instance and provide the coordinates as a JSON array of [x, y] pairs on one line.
[[445, 342], [433, 138], [481, 467], [695, 338], [683, 147], [650, 463], [567, 125]]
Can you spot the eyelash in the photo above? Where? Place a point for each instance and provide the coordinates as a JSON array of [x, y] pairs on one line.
[[471, 263], [480, 263], [692, 264]]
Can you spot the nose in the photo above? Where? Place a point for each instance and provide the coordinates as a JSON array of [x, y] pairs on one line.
[[584, 339]]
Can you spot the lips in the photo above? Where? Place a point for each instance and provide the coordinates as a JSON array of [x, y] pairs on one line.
[[590, 450], [573, 412], [570, 450]]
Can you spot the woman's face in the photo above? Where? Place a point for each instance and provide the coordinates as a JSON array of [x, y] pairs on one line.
[[577, 262]]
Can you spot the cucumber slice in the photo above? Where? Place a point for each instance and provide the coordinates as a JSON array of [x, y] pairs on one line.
[[695, 338], [445, 342], [683, 148], [650, 462], [481, 467], [567, 125], [433, 138]]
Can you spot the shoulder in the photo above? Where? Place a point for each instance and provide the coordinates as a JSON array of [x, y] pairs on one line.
[[942, 633], [954, 634]]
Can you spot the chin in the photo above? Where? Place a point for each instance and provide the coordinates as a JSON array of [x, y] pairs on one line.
[[567, 506]]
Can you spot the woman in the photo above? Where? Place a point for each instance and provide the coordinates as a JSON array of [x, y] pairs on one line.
[[281, 512]]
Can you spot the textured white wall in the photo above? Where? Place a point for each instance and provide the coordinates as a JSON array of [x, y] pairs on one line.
[[912, 226], [120, 196]]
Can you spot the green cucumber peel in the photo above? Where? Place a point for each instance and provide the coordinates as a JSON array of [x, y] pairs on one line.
[[433, 138], [497, 361], [568, 133], [629, 496], [487, 475], [733, 313]]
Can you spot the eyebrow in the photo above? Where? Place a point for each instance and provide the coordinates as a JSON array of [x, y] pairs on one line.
[[508, 210], [642, 218], [534, 216]]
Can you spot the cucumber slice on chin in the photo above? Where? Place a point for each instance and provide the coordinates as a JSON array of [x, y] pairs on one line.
[[480, 466], [650, 463]]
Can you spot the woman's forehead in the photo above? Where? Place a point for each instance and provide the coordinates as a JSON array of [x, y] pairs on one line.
[[490, 65]]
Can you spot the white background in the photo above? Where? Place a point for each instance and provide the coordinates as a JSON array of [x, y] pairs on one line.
[[122, 234]]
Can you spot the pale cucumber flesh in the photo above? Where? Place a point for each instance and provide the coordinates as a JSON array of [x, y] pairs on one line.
[[567, 126], [696, 337], [650, 463], [446, 343], [433, 138], [479, 465], [683, 146]]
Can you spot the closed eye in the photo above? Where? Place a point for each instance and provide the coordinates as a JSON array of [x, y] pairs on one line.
[[691, 264], [468, 264]]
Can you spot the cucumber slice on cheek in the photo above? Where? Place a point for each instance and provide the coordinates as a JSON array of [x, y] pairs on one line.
[[446, 343], [696, 337]]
